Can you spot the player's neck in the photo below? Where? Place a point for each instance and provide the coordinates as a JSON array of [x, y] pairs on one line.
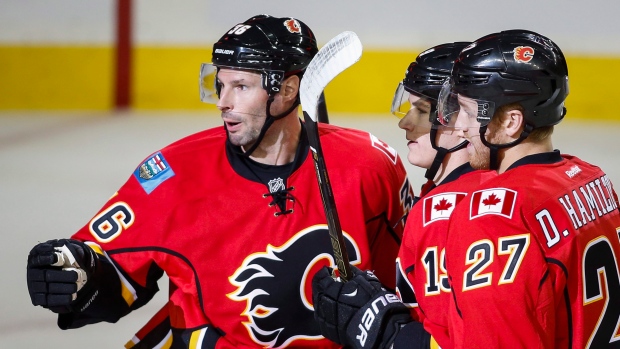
[[279, 145], [510, 155], [450, 163]]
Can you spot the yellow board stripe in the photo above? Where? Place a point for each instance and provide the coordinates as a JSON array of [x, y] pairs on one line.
[[81, 78]]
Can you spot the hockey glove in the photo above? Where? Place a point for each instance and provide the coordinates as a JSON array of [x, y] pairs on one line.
[[359, 313], [60, 275]]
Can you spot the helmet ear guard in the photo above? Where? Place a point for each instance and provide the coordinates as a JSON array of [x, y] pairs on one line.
[[272, 81]]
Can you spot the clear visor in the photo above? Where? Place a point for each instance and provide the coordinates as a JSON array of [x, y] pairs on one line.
[[207, 83], [452, 105], [417, 109]]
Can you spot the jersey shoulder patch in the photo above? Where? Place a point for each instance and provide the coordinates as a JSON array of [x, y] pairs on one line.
[[440, 206], [153, 171], [494, 201]]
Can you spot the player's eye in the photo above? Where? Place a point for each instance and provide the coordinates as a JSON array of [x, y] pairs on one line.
[[424, 110]]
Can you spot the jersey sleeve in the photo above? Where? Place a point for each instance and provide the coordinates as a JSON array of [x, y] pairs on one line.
[[158, 332], [391, 190], [127, 232]]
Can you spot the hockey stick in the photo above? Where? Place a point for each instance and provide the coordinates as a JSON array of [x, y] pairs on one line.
[[332, 59], [322, 110]]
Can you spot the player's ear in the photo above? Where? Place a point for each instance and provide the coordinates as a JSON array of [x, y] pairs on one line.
[[290, 88], [513, 123]]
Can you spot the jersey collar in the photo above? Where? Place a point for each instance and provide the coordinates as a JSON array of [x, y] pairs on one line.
[[540, 159]]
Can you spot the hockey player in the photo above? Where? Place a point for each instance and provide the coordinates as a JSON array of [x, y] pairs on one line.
[[421, 280], [233, 215], [533, 254]]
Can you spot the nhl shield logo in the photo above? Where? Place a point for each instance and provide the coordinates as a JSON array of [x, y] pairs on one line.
[[276, 184]]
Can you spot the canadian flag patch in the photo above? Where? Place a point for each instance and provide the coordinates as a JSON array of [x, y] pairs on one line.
[[440, 206], [497, 201]]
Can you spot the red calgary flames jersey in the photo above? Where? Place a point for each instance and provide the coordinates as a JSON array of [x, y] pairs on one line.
[[422, 281], [235, 265], [533, 259]]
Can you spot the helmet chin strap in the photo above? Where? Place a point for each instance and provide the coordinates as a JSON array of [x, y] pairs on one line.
[[494, 157], [431, 172], [269, 120]]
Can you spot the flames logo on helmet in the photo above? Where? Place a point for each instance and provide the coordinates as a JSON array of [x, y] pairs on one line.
[[293, 26], [277, 287], [523, 54]]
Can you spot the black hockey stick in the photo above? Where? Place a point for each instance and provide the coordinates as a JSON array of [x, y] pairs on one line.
[[337, 55], [322, 110]]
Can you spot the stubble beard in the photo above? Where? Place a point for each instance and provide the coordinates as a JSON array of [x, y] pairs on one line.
[[245, 139], [481, 159]]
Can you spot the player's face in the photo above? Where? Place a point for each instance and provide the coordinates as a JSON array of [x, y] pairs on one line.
[[417, 126], [447, 137], [242, 103], [467, 126]]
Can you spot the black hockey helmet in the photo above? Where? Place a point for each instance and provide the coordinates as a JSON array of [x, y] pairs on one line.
[[277, 47], [514, 66], [424, 78], [426, 75]]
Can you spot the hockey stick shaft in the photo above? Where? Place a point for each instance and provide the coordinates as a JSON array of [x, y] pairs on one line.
[[333, 58], [340, 254], [322, 110]]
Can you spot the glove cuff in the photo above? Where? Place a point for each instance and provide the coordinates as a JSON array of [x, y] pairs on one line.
[[412, 335], [376, 324]]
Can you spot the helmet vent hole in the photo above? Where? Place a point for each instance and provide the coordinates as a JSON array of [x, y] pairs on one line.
[[484, 53]]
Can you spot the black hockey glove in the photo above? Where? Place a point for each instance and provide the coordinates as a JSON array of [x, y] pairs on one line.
[[60, 275], [359, 313]]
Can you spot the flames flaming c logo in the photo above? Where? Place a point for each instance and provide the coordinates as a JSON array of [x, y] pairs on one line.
[[523, 54], [276, 286], [293, 26]]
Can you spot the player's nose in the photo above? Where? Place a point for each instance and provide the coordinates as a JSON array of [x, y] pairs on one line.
[[224, 103]]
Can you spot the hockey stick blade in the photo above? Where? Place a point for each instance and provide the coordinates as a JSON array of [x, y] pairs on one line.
[[336, 56]]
